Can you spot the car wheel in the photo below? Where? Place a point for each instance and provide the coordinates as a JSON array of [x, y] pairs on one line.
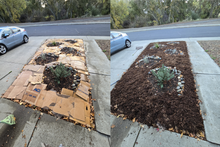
[[3, 49], [26, 39], [127, 43]]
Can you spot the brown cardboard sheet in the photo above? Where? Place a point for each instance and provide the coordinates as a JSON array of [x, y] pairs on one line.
[[16, 92], [22, 79], [32, 93], [34, 68], [78, 65], [83, 90], [36, 78]]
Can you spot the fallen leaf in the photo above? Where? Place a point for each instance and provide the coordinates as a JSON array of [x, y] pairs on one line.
[[112, 126], [198, 139], [133, 120], [181, 135], [171, 129], [142, 126], [202, 134], [89, 129]]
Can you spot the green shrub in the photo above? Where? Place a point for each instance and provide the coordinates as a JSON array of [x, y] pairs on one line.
[[145, 59], [60, 72], [43, 56], [162, 75], [156, 45]]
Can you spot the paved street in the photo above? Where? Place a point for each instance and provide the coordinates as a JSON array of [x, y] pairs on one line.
[[191, 32], [99, 29]]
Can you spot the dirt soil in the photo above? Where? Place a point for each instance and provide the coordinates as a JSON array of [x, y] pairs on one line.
[[69, 50], [135, 96], [213, 49], [46, 59], [67, 82], [105, 46]]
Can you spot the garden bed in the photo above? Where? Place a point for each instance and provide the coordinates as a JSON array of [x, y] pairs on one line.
[[175, 107], [56, 82]]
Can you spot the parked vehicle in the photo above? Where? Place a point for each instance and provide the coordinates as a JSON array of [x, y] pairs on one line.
[[10, 37], [119, 41]]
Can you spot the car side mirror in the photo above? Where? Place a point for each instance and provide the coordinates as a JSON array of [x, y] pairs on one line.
[[19, 30], [5, 35]]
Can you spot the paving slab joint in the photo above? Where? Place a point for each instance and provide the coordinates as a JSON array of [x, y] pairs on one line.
[[205, 73], [32, 134], [137, 137], [98, 74]]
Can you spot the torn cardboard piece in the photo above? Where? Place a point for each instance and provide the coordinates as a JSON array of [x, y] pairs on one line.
[[32, 93], [78, 65], [22, 79], [83, 90], [77, 58], [15, 92], [36, 78], [34, 68], [84, 78]]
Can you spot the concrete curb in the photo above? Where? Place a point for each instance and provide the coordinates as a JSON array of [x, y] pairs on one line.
[[162, 28], [57, 24]]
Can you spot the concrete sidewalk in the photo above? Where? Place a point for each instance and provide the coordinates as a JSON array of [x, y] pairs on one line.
[[207, 75], [32, 128]]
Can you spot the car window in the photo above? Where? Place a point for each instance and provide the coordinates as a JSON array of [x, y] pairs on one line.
[[116, 34], [15, 30], [7, 31]]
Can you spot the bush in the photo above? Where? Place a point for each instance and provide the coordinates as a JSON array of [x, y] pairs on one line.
[[60, 72], [195, 16], [163, 75]]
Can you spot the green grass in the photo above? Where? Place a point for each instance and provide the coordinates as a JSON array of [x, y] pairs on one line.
[[206, 50], [104, 51], [213, 57]]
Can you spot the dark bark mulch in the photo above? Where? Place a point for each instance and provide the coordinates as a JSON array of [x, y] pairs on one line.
[[136, 94], [49, 79], [46, 58]]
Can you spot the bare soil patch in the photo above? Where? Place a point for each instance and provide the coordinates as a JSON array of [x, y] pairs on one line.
[[213, 49], [105, 46]]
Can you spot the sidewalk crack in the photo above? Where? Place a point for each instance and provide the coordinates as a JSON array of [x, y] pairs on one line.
[[33, 131], [137, 137], [205, 73]]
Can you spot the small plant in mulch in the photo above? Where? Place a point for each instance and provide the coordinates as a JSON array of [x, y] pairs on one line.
[[157, 46], [71, 41], [163, 75], [148, 61], [45, 58], [54, 43], [60, 72], [69, 50]]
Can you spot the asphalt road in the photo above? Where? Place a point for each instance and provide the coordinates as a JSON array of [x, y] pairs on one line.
[[99, 29], [212, 31]]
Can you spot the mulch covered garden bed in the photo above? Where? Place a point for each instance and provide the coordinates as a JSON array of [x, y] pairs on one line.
[[175, 107]]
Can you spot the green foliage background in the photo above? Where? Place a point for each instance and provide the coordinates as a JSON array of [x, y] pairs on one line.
[[139, 13], [46, 10]]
